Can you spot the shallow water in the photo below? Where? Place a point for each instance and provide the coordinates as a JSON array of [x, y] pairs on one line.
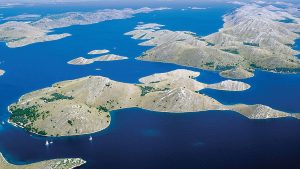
[[144, 139]]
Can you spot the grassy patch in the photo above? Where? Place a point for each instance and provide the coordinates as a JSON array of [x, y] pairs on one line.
[[210, 44], [233, 51], [26, 117], [57, 96], [147, 89], [209, 64], [70, 122], [102, 109], [251, 44]]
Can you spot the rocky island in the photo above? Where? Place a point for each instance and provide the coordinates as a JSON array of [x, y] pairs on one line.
[[84, 61], [2, 72], [69, 163], [253, 37], [98, 52], [18, 34], [22, 17], [82, 106]]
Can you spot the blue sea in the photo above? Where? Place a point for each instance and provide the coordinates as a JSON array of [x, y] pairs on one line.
[[140, 139]]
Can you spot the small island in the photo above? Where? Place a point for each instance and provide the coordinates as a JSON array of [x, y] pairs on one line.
[[83, 105], [85, 61], [252, 37], [2, 72], [68, 163], [98, 52], [237, 73], [196, 8]]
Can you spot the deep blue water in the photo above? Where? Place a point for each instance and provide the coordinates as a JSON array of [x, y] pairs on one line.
[[139, 139]]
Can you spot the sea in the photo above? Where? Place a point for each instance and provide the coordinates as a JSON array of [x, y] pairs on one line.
[[141, 139]]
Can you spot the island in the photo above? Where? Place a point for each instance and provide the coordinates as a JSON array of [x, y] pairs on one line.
[[22, 17], [237, 73], [98, 52], [2, 72], [253, 37], [68, 163], [108, 57], [17, 33], [196, 8], [82, 106]]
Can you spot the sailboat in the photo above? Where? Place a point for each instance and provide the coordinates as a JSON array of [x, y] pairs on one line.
[[47, 143], [91, 138]]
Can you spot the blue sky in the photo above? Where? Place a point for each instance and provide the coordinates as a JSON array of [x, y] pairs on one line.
[[20, 2]]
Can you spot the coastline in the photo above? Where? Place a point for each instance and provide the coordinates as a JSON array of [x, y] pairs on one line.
[[63, 163]]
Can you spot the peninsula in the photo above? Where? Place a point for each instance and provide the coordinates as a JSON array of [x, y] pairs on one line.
[[18, 33], [253, 37], [69, 163], [82, 106]]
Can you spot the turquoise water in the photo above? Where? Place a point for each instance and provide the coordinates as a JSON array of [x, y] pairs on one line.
[[139, 139]]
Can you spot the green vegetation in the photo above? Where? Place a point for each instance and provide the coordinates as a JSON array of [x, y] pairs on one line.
[[255, 66], [222, 68], [146, 90], [102, 109], [26, 117], [155, 82], [42, 133], [57, 96], [209, 64], [70, 122], [16, 39], [251, 44], [210, 44], [233, 51], [199, 92]]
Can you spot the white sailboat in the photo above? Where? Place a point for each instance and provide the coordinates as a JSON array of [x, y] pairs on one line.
[[47, 143], [91, 138]]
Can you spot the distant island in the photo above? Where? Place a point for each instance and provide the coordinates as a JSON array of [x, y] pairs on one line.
[[68, 163], [84, 61], [17, 33], [22, 17], [102, 58], [2, 72], [98, 52], [82, 106], [253, 37]]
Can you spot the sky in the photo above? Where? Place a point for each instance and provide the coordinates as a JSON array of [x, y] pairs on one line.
[[21, 2], [40, 1]]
